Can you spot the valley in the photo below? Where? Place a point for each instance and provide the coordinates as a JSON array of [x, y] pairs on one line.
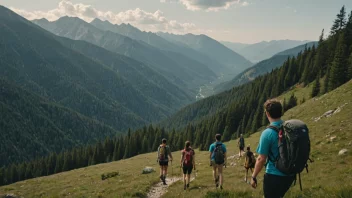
[[87, 93]]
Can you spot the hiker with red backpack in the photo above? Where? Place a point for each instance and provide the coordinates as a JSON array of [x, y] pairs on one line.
[[218, 160], [249, 162], [187, 163], [163, 158], [284, 148]]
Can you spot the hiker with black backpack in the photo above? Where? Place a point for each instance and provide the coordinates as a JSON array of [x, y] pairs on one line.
[[249, 162], [218, 160], [163, 158], [285, 146], [187, 163], [241, 144]]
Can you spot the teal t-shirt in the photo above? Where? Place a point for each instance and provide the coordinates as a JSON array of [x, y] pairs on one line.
[[268, 146], [212, 148]]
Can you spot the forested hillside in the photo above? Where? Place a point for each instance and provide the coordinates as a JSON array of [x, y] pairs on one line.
[[32, 126], [97, 86], [240, 109], [229, 113]]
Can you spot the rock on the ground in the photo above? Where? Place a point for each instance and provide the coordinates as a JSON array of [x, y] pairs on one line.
[[332, 138], [148, 170], [328, 113], [343, 152]]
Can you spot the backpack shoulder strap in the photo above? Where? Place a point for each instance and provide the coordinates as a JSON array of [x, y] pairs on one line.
[[273, 127]]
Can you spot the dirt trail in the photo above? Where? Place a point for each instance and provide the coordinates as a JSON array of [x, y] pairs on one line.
[[159, 189]]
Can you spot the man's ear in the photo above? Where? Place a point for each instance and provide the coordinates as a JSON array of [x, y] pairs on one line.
[[267, 114]]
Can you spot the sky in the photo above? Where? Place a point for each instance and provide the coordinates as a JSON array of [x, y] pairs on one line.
[[243, 21]]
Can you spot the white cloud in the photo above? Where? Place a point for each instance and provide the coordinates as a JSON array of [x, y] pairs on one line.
[[149, 21], [245, 3], [207, 5]]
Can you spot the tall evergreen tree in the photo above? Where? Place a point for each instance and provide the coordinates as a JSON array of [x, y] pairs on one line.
[[340, 22], [339, 65], [349, 75], [326, 81], [316, 87]]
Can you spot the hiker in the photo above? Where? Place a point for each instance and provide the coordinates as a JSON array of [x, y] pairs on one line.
[[275, 183], [217, 159], [163, 159], [240, 144], [249, 162], [187, 163]]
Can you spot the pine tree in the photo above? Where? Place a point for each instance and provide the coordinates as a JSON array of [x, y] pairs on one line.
[[316, 86], [340, 22], [226, 134], [326, 82], [292, 102], [339, 65], [349, 31], [349, 75]]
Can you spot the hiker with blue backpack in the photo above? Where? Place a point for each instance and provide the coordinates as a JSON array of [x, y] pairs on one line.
[[187, 163], [284, 149], [218, 160], [163, 158]]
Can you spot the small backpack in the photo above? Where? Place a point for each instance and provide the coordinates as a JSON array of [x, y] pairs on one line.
[[294, 148], [219, 154], [187, 157], [250, 160], [162, 153], [241, 142]]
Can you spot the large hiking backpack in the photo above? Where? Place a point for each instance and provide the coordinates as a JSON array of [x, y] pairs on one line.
[[187, 157], [294, 148], [219, 154], [250, 162], [162, 153]]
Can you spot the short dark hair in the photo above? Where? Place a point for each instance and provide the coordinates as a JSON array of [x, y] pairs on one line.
[[274, 108], [187, 144], [163, 140], [218, 137], [248, 148]]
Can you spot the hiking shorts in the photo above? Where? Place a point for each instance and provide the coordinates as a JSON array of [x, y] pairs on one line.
[[213, 163], [187, 169], [163, 163], [241, 148], [275, 186]]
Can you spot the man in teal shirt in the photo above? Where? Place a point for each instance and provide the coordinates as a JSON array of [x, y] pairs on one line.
[[217, 165], [275, 184]]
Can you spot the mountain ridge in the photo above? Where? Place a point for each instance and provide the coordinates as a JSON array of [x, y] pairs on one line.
[[77, 29]]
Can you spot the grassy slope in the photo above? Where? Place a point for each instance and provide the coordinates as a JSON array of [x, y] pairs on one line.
[[329, 175]]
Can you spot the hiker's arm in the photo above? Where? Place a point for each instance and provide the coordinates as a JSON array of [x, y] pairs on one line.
[[245, 161], [181, 159], [170, 154], [194, 161], [225, 158], [157, 154], [259, 165]]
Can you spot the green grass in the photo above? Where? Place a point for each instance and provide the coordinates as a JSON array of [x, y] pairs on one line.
[[329, 176]]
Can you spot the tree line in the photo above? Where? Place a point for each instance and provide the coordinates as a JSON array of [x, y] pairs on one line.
[[330, 63]]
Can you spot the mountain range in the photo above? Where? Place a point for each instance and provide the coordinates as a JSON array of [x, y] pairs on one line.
[[262, 67], [233, 61], [263, 50], [76, 79]]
